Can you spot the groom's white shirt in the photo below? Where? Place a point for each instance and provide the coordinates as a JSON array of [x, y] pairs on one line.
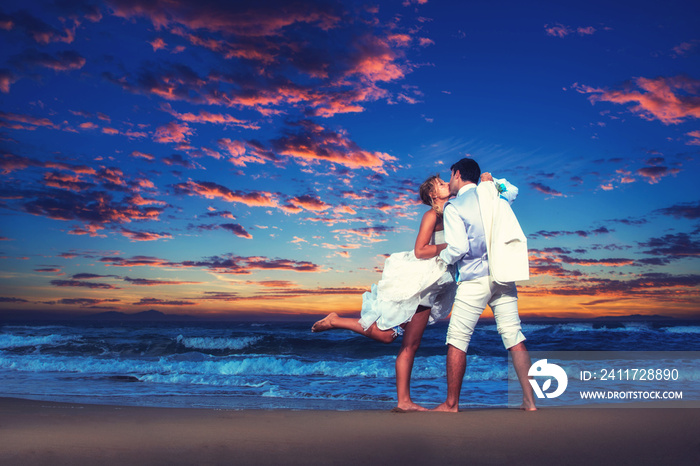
[[465, 236]]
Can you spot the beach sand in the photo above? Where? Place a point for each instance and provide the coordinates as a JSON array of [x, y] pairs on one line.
[[49, 433]]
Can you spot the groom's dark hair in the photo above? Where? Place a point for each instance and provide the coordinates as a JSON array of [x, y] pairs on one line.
[[468, 170]]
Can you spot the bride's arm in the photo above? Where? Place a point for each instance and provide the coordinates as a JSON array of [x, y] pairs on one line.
[[422, 249]]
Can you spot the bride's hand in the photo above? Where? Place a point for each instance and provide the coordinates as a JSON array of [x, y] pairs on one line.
[[486, 177]]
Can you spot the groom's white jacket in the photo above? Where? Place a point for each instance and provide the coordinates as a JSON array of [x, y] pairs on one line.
[[506, 243]]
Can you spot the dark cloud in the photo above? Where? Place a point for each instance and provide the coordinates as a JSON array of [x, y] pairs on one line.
[[612, 262], [5, 299], [581, 233], [630, 221], [82, 284], [545, 189], [48, 270], [655, 173], [177, 159], [236, 229], [690, 210], [91, 303], [35, 28], [650, 285], [60, 61], [93, 207], [144, 235], [673, 246], [226, 264], [90, 276], [149, 282]]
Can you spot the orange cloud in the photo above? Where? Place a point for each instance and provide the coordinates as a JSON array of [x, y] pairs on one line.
[[243, 153], [64, 181], [211, 190], [312, 143], [207, 117], [307, 202], [7, 78], [26, 119], [669, 100], [157, 44], [695, 135], [172, 132], [144, 235]]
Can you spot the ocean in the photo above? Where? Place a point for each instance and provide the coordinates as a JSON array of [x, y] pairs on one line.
[[273, 365]]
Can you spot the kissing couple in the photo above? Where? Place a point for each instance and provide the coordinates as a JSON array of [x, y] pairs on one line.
[[469, 252]]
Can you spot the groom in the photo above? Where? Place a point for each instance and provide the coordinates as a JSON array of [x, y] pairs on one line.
[[467, 248]]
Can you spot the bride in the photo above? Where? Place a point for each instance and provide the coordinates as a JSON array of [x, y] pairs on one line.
[[416, 289]]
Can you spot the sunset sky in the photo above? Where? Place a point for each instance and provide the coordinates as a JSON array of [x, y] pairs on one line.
[[213, 157]]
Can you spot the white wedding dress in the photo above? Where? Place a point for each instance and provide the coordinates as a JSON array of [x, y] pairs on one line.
[[406, 283]]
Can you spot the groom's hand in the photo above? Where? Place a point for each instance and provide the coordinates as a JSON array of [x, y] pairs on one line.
[[486, 177]]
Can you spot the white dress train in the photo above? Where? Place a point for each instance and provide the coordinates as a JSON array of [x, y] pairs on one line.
[[408, 282]]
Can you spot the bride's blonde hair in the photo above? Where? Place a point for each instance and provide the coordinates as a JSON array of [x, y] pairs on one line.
[[426, 191]]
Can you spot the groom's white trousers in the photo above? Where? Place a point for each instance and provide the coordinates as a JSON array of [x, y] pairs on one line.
[[471, 300]]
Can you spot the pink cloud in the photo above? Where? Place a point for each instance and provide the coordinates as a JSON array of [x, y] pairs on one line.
[[312, 143], [211, 190], [654, 174], [695, 135], [172, 132], [89, 229], [207, 117], [26, 120], [144, 235], [307, 202], [142, 155], [66, 181], [377, 60], [560, 30], [61, 61], [7, 78], [685, 48], [669, 100], [157, 44], [229, 18]]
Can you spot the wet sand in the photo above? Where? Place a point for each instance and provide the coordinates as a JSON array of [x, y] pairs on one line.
[[49, 433]]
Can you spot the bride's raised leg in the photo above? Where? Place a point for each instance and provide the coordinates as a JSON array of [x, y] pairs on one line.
[[333, 321], [413, 333]]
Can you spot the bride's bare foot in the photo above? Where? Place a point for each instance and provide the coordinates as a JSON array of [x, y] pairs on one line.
[[324, 324], [410, 406], [444, 408]]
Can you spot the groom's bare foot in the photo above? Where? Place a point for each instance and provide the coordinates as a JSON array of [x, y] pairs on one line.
[[411, 406], [528, 406], [324, 324], [445, 408]]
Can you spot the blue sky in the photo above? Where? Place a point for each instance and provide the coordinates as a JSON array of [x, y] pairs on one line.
[[217, 157]]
